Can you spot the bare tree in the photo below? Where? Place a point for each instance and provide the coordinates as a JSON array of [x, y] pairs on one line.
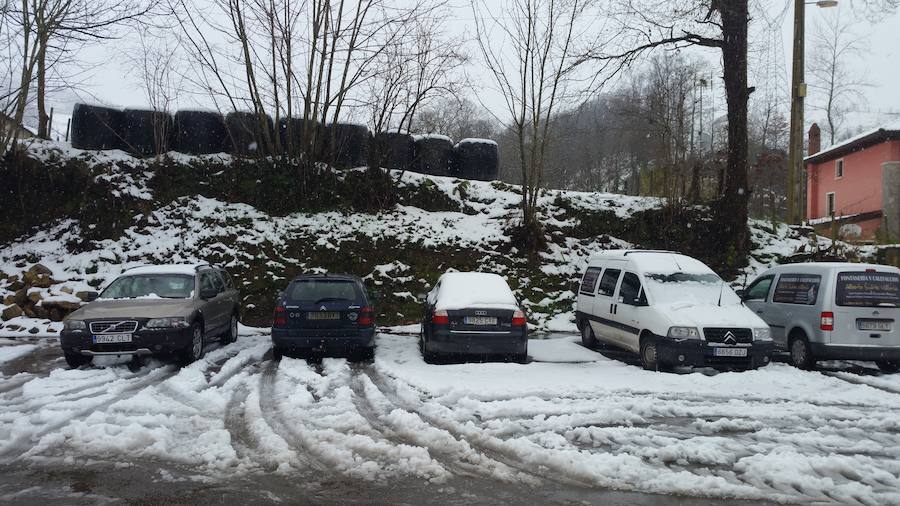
[[838, 85], [528, 49], [160, 76]]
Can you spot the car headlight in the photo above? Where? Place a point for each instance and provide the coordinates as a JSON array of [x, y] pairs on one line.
[[684, 333], [167, 323], [74, 325], [762, 334]]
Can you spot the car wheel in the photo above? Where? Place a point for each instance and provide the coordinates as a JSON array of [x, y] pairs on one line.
[[649, 355], [76, 360], [194, 351], [232, 334], [801, 356], [588, 339], [887, 366], [277, 352], [430, 357]]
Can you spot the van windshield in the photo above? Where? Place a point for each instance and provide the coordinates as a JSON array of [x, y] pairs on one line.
[[868, 289], [696, 288]]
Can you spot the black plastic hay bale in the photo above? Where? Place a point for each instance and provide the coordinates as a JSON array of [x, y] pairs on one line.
[[146, 132], [433, 155], [200, 133], [292, 138], [250, 134], [346, 145], [96, 127], [393, 150], [476, 159]]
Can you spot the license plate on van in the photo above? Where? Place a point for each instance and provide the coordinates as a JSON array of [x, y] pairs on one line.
[[325, 315], [480, 320], [730, 352], [877, 325], [112, 338]]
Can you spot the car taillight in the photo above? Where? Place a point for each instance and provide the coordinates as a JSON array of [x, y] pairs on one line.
[[366, 317], [279, 319], [827, 321], [518, 319], [440, 318]]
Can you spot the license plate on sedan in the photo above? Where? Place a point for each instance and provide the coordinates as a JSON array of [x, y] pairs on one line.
[[324, 315], [112, 338], [480, 320], [877, 325], [730, 352]]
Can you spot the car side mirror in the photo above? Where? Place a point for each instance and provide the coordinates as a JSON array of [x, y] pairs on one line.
[[91, 296], [741, 293], [421, 297], [208, 293]]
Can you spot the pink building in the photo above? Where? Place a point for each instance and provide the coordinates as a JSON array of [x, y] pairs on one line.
[[855, 183]]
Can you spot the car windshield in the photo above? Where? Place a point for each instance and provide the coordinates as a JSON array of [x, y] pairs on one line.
[[150, 286], [321, 290], [695, 288]]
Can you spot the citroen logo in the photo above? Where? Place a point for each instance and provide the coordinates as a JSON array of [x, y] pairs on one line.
[[730, 339]]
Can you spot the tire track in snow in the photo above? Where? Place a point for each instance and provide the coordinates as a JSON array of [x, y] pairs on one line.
[[858, 380]]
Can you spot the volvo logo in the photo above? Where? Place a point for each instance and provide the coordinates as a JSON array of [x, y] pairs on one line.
[[730, 339]]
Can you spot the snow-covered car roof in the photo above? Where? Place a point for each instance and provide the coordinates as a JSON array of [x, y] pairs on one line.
[[187, 269], [459, 290], [656, 261]]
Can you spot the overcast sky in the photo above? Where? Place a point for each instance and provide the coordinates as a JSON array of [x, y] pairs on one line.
[[113, 83]]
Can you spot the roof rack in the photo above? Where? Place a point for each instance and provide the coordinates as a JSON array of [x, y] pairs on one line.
[[135, 267], [650, 251], [201, 266]]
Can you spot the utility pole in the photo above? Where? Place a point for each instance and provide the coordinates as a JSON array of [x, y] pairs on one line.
[[798, 93]]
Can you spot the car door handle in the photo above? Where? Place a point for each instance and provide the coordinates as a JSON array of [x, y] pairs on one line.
[[760, 311]]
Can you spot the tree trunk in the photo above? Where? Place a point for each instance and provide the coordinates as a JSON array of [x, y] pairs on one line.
[[732, 208], [43, 117]]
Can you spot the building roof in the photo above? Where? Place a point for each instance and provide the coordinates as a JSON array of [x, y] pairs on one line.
[[856, 143]]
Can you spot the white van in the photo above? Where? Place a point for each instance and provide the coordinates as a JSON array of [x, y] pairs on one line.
[[669, 308], [830, 310]]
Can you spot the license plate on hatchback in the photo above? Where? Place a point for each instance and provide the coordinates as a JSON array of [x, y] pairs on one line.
[[730, 352], [480, 320], [324, 315], [112, 338], [877, 325]]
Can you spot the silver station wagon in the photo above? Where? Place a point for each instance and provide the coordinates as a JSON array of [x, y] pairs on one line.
[[831, 311]]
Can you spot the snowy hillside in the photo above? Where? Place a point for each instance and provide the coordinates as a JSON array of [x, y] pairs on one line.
[[400, 250]]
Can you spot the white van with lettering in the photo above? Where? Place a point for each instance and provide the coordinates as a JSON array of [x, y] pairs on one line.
[[670, 309], [831, 311]]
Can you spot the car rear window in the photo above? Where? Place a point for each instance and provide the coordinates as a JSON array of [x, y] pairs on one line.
[[797, 289], [321, 290], [868, 289]]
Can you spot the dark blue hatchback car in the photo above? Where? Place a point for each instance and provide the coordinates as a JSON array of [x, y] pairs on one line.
[[324, 315]]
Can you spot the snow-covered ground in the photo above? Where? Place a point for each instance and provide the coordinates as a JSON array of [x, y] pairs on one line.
[[570, 417]]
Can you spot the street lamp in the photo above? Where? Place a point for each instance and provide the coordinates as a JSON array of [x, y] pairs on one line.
[[798, 93]]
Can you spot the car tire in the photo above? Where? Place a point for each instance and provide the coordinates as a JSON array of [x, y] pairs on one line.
[[888, 366], [588, 339], [76, 360], [649, 355], [430, 357], [231, 334], [277, 352], [194, 350], [801, 355]]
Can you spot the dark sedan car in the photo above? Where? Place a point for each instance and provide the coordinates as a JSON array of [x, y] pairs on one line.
[[154, 310], [473, 314], [324, 315]]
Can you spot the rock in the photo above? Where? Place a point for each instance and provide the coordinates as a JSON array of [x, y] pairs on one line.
[[40, 312], [33, 330], [67, 290], [11, 312], [62, 305], [15, 285], [9, 300], [34, 297], [83, 295], [12, 279], [56, 315], [29, 277], [21, 296], [43, 281], [29, 312], [40, 269]]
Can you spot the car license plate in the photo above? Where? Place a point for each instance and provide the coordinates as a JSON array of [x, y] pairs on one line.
[[325, 315], [480, 320], [112, 338], [878, 325], [730, 352]]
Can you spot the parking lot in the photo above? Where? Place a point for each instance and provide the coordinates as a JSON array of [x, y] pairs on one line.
[[571, 425]]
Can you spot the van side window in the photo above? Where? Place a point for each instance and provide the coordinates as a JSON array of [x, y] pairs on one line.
[[608, 282], [759, 289], [206, 281], [229, 284], [630, 291], [589, 281], [797, 289]]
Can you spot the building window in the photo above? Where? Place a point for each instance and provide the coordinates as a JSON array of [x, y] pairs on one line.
[[839, 169], [829, 204]]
